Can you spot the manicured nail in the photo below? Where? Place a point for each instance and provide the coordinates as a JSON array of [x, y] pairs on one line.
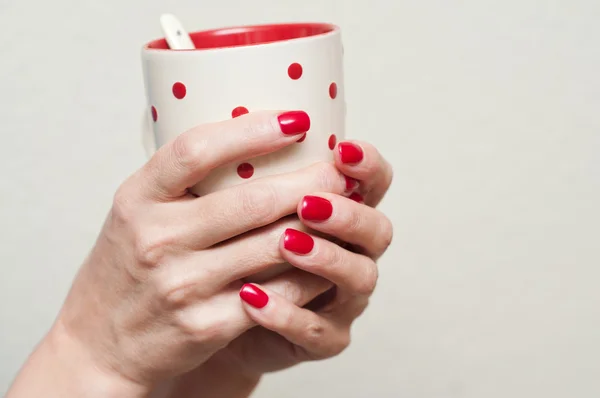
[[350, 153], [294, 122], [254, 296], [315, 208], [355, 196], [297, 242], [351, 183]]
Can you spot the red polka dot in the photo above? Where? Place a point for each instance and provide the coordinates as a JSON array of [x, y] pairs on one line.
[[333, 90], [179, 90], [295, 71], [332, 141], [154, 113], [302, 138], [239, 111], [245, 170]]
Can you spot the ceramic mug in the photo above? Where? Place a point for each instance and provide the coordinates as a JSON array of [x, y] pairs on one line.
[[236, 70], [233, 71]]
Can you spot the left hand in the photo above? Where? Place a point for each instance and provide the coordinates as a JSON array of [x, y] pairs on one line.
[[289, 334]]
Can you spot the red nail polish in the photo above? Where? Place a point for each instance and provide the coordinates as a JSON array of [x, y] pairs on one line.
[[351, 183], [315, 208], [350, 153], [355, 196], [254, 296], [294, 122], [297, 242]]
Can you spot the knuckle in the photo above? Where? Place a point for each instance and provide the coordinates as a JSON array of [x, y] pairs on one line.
[[335, 344], [330, 259], [372, 169], [188, 150], [258, 203], [346, 339], [368, 281], [342, 343], [272, 253], [286, 320], [385, 233], [211, 331], [122, 209], [360, 307], [389, 174], [313, 333], [150, 248], [173, 294], [329, 178], [353, 220], [269, 238], [292, 291]]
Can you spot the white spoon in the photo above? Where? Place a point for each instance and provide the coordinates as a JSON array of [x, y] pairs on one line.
[[175, 34]]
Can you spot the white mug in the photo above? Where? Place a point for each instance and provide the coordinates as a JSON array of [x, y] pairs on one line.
[[233, 71]]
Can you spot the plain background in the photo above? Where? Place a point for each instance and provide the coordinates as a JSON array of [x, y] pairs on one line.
[[489, 112]]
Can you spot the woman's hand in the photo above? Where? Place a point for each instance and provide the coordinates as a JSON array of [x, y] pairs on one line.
[[158, 294], [293, 331]]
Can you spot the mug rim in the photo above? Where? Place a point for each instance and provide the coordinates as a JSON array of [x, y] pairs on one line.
[[320, 30]]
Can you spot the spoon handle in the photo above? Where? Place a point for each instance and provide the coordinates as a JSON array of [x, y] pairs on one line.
[[175, 34]]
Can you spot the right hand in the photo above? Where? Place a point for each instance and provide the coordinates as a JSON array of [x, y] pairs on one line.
[[158, 295]]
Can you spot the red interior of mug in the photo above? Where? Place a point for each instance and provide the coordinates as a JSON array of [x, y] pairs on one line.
[[249, 35]]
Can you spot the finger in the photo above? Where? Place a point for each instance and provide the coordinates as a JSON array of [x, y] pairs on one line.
[[361, 161], [318, 336], [347, 312], [209, 271], [255, 204], [198, 313], [354, 274], [348, 221], [186, 160], [304, 289], [297, 286], [242, 260]]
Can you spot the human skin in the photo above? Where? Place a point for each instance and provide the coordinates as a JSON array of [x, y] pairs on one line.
[[161, 296]]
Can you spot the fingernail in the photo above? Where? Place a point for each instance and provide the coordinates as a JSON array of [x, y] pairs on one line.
[[351, 183], [350, 153], [355, 196], [297, 242], [315, 208], [294, 122], [254, 296]]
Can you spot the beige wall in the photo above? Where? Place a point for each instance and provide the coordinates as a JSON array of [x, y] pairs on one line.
[[489, 111]]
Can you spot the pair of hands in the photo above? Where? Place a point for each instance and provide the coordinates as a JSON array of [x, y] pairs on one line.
[[158, 298]]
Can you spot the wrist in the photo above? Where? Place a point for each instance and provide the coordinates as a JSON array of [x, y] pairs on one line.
[[216, 378], [86, 371], [61, 367]]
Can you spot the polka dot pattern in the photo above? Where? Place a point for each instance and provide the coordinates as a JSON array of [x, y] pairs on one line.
[[295, 71], [333, 90], [239, 111], [179, 90], [245, 170], [332, 141]]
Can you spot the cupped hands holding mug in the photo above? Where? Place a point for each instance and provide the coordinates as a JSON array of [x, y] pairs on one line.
[[161, 300]]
